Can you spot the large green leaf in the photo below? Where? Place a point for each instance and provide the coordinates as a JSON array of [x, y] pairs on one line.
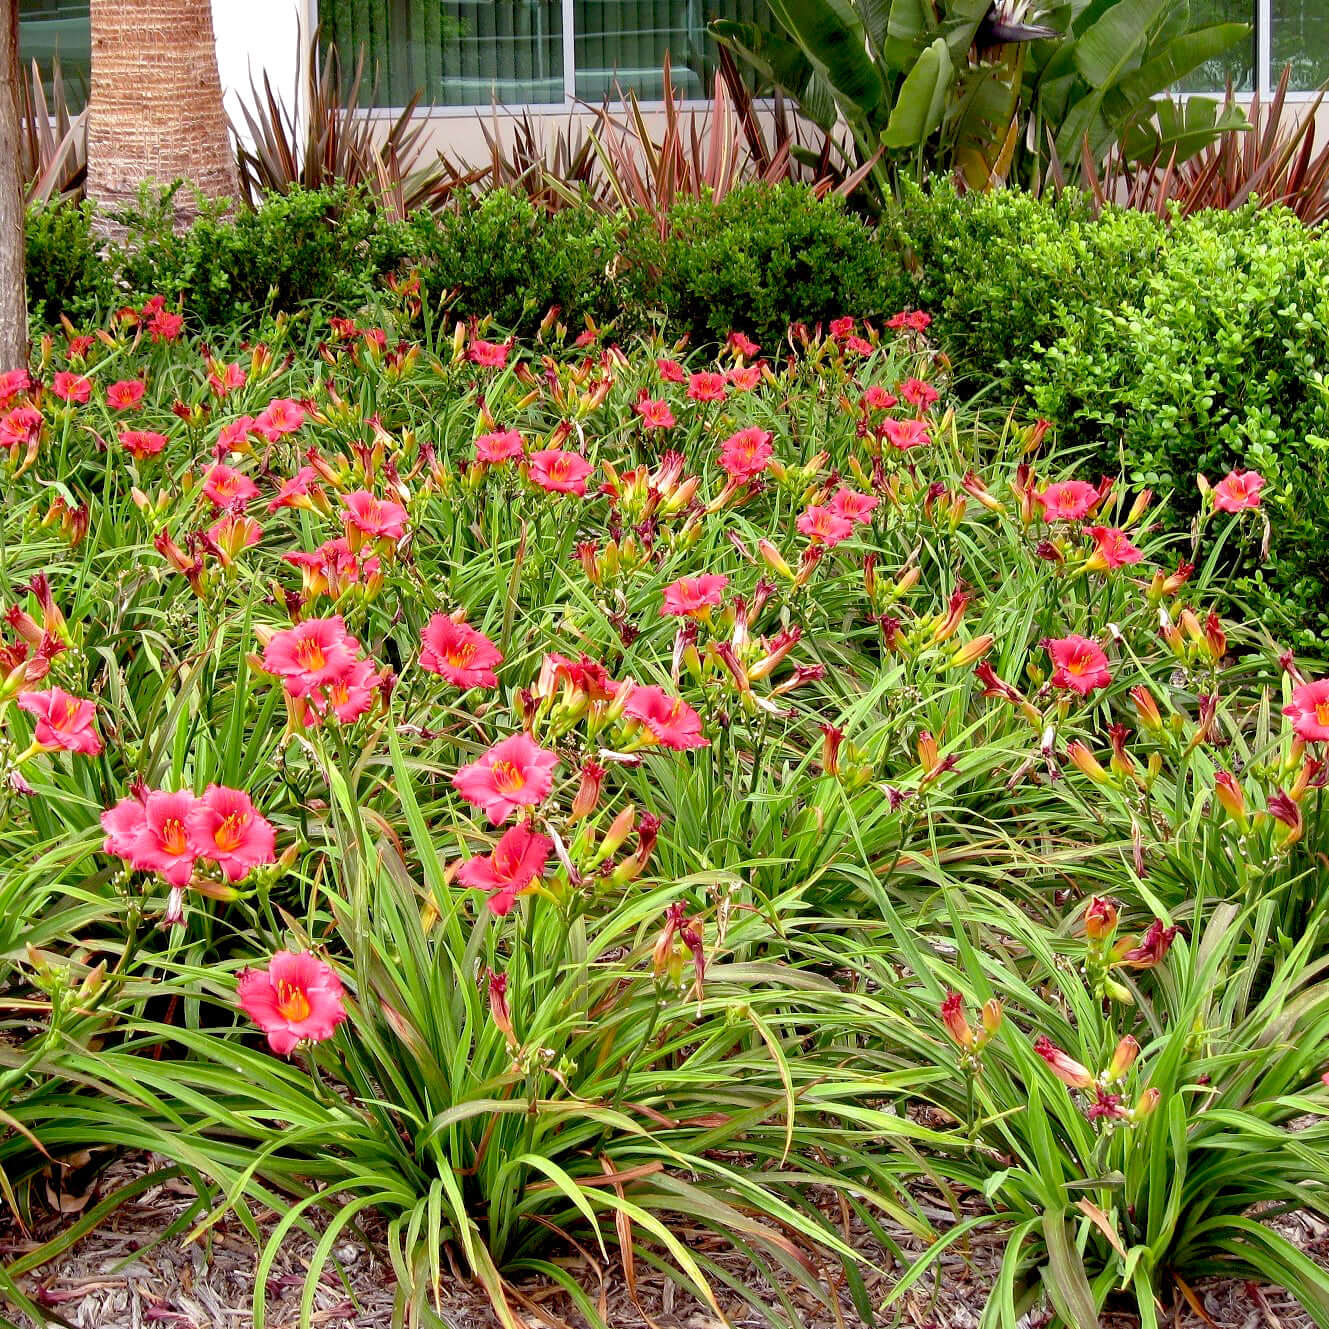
[[834, 40], [922, 100], [1107, 47], [1186, 53], [907, 32]]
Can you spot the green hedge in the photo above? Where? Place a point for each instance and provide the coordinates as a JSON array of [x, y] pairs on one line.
[[760, 259], [1176, 347]]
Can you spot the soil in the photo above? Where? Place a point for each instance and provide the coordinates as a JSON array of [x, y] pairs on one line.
[[135, 1271]]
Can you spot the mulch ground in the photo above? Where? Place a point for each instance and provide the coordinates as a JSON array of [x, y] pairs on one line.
[[133, 1272]]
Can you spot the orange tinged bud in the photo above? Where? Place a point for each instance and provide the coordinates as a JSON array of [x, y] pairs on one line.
[[1086, 762], [1123, 1058]]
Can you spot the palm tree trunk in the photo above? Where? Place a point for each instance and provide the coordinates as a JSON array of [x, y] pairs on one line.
[[155, 111], [13, 293]]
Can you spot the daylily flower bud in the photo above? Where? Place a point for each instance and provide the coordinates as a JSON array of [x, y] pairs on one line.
[[972, 651], [588, 792], [953, 1017], [1123, 1058], [1147, 708], [832, 737], [775, 559], [498, 1007], [1229, 793], [992, 1016], [1148, 1101], [1069, 1071], [1100, 919], [619, 830], [1086, 762], [1289, 814]]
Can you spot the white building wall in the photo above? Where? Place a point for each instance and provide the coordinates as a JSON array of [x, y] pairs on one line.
[[258, 38]]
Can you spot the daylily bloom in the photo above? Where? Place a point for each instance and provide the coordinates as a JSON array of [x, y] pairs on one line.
[[122, 824], [706, 386], [500, 446], [843, 327], [743, 345], [126, 394], [670, 720], [692, 596], [876, 398], [917, 393], [458, 652], [857, 508], [377, 518], [1237, 491], [824, 526], [517, 862], [227, 830], [298, 491], [1113, 549], [1078, 664], [297, 998], [21, 427], [225, 486], [279, 418], [1149, 950], [350, 696], [71, 387], [310, 655], [1309, 711], [163, 844], [558, 471], [234, 435], [655, 414], [904, 435], [671, 371], [514, 773], [142, 443], [746, 453], [13, 382], [743, 378], [64, 722], [912, 320], [1067, 501], [488, 354]]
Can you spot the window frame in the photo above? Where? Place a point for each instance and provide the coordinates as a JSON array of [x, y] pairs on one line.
[[1265, 83]]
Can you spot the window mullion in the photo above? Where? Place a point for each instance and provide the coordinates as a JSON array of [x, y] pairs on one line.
[[1264, 42], [569, 49]]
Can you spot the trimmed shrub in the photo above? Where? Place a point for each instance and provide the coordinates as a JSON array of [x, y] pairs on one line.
[[67, 274], [765, 256]]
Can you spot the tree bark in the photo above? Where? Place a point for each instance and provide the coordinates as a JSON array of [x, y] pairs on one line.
[[13, 291], [155, 112]]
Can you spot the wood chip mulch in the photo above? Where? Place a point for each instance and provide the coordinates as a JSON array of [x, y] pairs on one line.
[[124, 1275]]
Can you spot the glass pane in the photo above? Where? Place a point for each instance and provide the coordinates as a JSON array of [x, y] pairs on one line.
[[468, 53], [622, 44], [1301, 39], [51, 30], [1237, 62]]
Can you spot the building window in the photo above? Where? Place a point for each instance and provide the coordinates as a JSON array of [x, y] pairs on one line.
[[1238, 63], [526, 52], [1299, 36], [51, 31]]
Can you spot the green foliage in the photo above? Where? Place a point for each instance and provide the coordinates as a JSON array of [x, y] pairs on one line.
[[65, 269], [979, 89], [504, 258], [761, 258], [322, 249], [1174, 346]]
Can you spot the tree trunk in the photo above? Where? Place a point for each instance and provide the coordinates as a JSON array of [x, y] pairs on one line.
[[155, 111], [13, 292]]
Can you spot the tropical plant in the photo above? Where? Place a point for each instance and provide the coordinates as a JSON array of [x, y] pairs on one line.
[[981, 89], [328, 141], [1273, 163]]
